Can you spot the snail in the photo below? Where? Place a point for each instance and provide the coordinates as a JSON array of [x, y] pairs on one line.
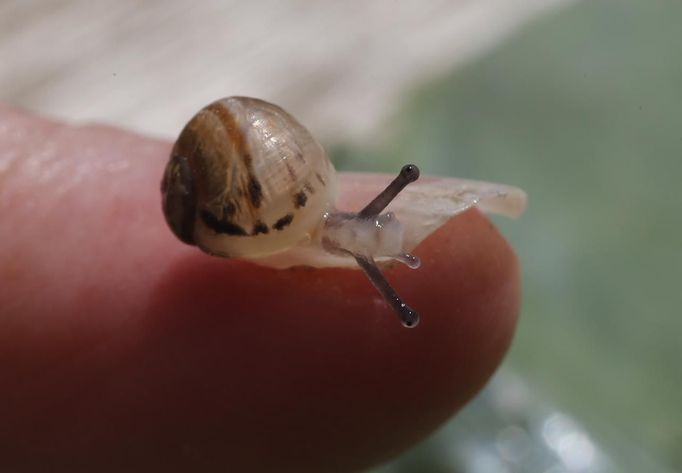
[[246, 180]]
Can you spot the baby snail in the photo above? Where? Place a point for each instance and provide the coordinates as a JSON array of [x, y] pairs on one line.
[[246, 180]]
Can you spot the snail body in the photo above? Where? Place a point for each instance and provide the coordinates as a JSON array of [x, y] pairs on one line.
[[246, 180]]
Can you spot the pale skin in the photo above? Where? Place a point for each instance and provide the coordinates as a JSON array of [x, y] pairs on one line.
[[122, 348]]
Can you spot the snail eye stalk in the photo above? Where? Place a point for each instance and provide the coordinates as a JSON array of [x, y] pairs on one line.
[[407, 315], [409, 173]]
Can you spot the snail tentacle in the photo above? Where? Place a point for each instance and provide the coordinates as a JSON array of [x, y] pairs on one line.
[[409, 173], [407, 315]]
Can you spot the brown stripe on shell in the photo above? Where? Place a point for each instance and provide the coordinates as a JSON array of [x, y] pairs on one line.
[[290, 171], [255, 191], [283, 222], [249, 185], [300, 199], [231, 127], [308, 188], [222, 226], [260, 227], [230, 208], [320, 179]]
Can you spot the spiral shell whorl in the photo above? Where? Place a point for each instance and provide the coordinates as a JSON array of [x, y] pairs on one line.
[[262, 182]]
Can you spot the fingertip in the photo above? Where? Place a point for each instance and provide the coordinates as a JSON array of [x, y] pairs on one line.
[[325, 342], [147, 343]]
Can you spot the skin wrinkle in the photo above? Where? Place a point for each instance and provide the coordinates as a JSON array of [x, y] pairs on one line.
[[8, 165], [20, 159], [39, 162]]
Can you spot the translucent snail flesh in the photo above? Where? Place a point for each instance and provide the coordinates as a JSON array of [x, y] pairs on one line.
[[246, 180]]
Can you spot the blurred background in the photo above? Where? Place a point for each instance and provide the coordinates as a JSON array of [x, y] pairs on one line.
[[577, 102]]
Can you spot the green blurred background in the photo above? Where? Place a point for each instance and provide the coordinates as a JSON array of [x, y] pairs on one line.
[[582, 109]]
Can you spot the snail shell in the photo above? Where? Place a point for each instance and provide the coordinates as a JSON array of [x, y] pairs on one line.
[[245, 179]]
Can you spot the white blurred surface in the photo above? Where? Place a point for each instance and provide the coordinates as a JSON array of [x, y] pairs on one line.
[[339, 66]]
